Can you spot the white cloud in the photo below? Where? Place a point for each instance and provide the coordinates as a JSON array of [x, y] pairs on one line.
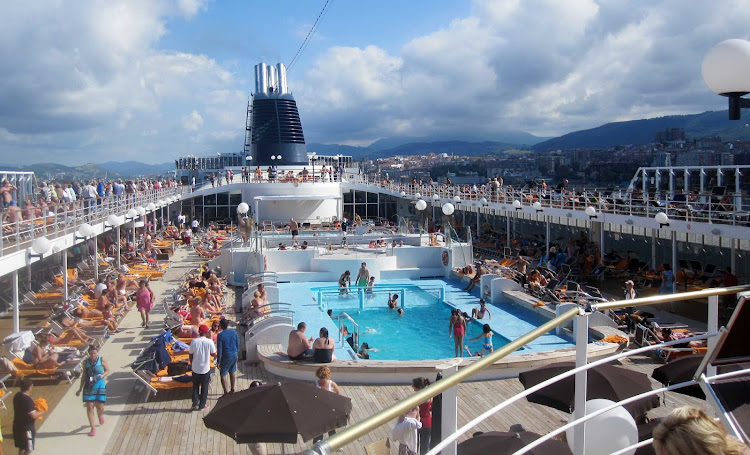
[[192, 121], [189, 8], [542, 66]]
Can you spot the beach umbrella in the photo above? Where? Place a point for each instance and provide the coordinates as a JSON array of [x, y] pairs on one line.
[[278, 413], [502, 442], [679, 370], [605, 381], [645, 431]]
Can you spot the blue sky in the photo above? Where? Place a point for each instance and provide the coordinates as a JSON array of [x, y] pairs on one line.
[[151, 80]]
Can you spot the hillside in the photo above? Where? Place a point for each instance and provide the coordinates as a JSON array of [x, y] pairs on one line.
[[639, 132], [108, 170]]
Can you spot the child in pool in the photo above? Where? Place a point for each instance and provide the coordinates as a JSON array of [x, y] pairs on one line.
[[487, 342]]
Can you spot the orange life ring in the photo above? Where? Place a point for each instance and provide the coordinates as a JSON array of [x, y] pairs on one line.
[[445, 258], [265, 263]]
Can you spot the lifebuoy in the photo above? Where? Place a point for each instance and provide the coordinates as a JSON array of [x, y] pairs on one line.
[[445, 258], [265, 263]]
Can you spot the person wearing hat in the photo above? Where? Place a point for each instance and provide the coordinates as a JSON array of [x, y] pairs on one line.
[[201, 350]]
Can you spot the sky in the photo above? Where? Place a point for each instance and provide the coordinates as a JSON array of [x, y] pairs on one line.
[[151, 80]]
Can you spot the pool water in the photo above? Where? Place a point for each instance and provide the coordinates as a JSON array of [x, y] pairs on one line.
[[422, 332]]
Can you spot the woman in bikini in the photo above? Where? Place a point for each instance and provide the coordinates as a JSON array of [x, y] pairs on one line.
[[478, 313], [457, 330]]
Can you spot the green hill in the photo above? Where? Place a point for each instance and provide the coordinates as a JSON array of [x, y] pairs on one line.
[[639, 132]]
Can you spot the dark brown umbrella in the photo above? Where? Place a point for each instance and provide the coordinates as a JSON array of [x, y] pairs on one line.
[[605, 381], [278, 412], [500, 442], [681, 369]]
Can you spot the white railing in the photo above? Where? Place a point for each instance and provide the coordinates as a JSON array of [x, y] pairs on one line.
[[65, 218]]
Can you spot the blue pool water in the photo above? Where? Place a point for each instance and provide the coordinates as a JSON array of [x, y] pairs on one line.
[[422, 332]]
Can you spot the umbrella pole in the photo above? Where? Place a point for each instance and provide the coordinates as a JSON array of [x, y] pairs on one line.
[[581, 331]]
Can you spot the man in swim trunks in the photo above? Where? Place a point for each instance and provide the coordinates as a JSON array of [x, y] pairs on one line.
[[363, 276], [478, 313], [7, 192], [294, 228], [299, 346]]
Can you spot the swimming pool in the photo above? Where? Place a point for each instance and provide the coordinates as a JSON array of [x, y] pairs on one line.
[[422, 332]]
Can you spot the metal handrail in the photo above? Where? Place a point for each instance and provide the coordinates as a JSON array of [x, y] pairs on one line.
[[371, 423], [554, 379], [359, 429], [355, 329]]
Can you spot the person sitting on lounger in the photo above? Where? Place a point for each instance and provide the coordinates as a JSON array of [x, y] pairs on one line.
[[42, 357], [73, 333]]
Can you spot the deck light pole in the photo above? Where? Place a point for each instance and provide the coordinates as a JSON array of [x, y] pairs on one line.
[[725, 69]]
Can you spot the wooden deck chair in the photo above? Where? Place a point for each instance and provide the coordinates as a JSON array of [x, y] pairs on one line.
[[381, 447]]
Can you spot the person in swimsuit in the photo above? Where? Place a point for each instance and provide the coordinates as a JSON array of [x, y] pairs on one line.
[[457, 330], [345, 280], [145, 302], [370, 289], [363, 276], [323, 348], [294, 228], [487, 342], [478, 313], [393, 302]]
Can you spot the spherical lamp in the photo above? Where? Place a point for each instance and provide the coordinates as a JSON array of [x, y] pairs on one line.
[[421, 204], [537, 206], [151, 207], [132, 213], [41, 245], [113, 220], [483, 201], [517, 204], [403, 193], [140, 210], [85, 230], [726, 66], [456, 199], [608, 432], [662, 219], [591, 212], [243, 208], [448, 209], [417, 195]]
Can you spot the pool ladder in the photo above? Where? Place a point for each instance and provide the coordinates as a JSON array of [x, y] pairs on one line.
[[355, 329]]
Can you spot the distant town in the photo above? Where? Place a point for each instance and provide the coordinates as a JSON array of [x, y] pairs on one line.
[[611, 166]]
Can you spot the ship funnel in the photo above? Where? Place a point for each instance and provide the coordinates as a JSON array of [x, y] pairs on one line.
[[281, 74], [261, 78]]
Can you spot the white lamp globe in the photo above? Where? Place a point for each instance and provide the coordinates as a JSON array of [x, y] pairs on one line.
[[403, 193], [590, 211], [178, 197], [436, 197], [456, 199], [132, 213], [726, 67], [85, 230], [151, 207], [661, 218], [608, 432], [161, 203], [417, 195], [448, 209], [113, 220], [517, 204], [41, 245], [243, 208], [537, 205], [421, 204], [140, 210], [483, 201]]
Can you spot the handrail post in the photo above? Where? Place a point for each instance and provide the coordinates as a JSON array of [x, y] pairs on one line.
[[581, 331], [449, 419], [713, 326]]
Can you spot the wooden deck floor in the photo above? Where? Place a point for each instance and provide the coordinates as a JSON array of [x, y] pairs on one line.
[[165, 426]]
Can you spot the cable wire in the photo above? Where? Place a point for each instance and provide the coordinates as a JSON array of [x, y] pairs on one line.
[[310, 34]]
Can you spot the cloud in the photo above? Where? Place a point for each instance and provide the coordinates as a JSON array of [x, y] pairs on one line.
[[542, 66], [192, 121], [87, 79]]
